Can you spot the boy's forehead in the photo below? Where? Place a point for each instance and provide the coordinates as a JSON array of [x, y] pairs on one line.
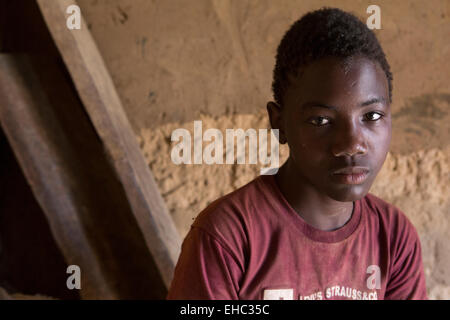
[[336, 80]]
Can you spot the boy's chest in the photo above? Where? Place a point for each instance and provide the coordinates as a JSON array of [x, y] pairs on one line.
[[300, 269]]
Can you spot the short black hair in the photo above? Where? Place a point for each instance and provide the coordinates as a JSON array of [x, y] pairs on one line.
[[327, 32]]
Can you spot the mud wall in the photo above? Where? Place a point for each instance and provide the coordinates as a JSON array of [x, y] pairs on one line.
[[174, 62]]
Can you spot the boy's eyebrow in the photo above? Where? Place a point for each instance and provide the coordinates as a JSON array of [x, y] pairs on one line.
[[313, 104], [373, 100]]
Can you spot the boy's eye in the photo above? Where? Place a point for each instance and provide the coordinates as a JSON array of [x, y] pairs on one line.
[[373, 116], [319, 121], [322, 121]]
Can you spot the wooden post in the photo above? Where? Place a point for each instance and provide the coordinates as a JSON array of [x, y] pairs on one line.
[[42, 152], [102, 103]]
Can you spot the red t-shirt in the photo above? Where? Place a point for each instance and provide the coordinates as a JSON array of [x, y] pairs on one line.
[[251, 244]]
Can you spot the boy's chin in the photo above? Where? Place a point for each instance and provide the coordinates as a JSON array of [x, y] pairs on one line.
[[348, 193]]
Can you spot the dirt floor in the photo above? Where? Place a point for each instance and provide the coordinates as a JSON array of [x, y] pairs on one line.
[[174, 62]]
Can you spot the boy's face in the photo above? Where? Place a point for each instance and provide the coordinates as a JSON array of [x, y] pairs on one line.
[[335, 117]]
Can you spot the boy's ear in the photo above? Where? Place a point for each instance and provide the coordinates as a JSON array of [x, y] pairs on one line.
[[275, 117]]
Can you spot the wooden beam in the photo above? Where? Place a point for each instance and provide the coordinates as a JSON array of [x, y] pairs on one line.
[[42, 151], [102, 103]]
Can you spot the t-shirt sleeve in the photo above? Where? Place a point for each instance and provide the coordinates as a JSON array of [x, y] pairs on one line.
[[407, 278], [205, 270]]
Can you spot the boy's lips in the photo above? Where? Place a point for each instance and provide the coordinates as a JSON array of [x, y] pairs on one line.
[[351, 170], [351, 175]]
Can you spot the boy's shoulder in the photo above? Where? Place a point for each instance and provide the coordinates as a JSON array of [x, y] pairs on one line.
[[232, 209], [389, 217], [227, 219], [376, 205]]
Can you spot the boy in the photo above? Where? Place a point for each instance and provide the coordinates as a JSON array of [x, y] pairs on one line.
[[312, 231]]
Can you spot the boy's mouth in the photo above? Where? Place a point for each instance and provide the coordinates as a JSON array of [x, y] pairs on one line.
[[351, 175]]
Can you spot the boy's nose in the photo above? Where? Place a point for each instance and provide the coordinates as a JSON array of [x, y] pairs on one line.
[[349, 141]]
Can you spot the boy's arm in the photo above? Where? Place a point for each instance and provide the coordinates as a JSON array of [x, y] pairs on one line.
[[407, 278], [205, 270]]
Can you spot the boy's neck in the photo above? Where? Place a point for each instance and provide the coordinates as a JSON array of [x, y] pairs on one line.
[[317, 209]]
